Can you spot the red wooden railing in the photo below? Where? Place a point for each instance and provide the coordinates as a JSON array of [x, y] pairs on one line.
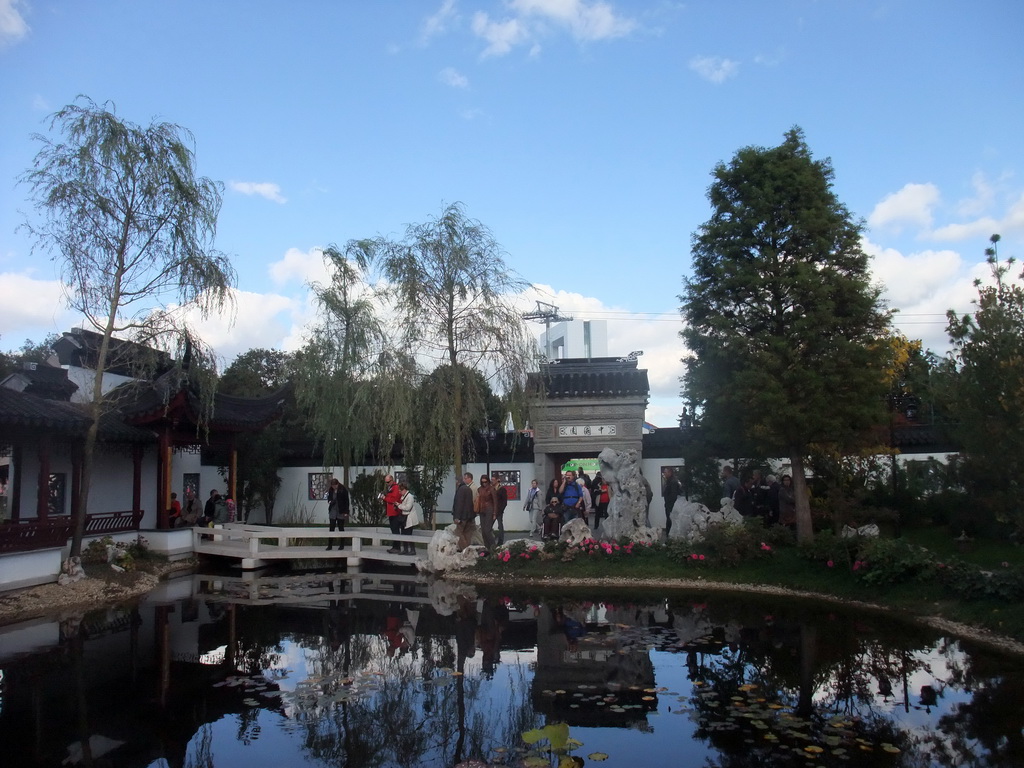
[[28, 535]]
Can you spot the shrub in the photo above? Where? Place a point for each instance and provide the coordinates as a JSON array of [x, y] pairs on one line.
[[123, 554], [894, 561], [725, 544], [363, 495], [827, 547], [969, 582]]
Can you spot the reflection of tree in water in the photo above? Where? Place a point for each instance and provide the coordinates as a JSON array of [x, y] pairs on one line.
[[200, 753], [787, 686], [988, 730], [410, 705]]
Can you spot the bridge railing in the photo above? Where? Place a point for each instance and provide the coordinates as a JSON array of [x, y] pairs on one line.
[[263, 542]]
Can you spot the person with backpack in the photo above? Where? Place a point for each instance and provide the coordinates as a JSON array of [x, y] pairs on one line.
[[570, 496]]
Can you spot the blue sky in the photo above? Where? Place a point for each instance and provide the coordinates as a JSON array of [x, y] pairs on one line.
[[583, 133]]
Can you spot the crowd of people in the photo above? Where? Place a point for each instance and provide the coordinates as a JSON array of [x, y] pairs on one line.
[[216, 511], [761, 496]]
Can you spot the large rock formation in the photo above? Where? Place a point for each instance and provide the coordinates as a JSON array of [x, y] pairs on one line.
[[690, 520], [627, 510]]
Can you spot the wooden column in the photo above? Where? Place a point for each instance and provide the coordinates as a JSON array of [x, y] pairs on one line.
[[43, 480], [136, 477], [76, 479], [163, 491], [233, 473], [18, 459]]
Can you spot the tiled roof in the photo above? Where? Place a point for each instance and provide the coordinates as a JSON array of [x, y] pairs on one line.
[[145, 402], [42, 380], [80, 348], [599, 377], [19, 409]]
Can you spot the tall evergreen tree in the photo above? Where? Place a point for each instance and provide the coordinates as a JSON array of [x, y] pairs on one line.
[[780, 315], [987, 387]]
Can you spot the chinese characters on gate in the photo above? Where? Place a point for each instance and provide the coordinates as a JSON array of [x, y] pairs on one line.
[[586, 430]]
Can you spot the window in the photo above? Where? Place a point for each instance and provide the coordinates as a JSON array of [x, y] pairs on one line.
[[58, 489]]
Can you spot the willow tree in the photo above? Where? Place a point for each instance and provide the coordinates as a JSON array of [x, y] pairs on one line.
[[351, 385], [132, 227], [454, 297], [780, 314]]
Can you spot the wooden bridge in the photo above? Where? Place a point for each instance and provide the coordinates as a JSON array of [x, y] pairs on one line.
[[256, 546]]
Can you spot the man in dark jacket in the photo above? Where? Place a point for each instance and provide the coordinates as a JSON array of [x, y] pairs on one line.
[[462, 510], [671, 492]]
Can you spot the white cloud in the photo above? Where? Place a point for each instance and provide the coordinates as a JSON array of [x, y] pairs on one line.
[[911, 279], [923, 285], [437, 23], [31, 304], [13, 26], [258, 320], [265, 189], [911, 205], [300, 267], [454, 78], [715, 69], [501, 36], [587, 22], [531, 19], [984, 196]]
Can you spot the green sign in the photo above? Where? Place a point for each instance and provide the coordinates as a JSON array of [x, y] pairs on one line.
[[590, 466]]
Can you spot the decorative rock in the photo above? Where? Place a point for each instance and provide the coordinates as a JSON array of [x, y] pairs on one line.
[[688, 518], [71, 571], [870, 530], [575, 532], [443, 552], [445, 595]]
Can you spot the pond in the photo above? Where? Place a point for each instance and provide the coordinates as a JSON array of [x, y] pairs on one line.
[[388, 670]]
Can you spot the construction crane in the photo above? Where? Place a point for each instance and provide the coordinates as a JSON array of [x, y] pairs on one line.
[[547, 314]]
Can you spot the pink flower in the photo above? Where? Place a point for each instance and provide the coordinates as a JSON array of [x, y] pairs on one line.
[[701, 557], [829, 563], [856, 565], [693, 556]]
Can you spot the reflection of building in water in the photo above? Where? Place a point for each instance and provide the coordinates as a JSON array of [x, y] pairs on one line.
[[586, 676]]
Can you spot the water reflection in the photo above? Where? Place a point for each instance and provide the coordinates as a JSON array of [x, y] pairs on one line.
[[387, 670]]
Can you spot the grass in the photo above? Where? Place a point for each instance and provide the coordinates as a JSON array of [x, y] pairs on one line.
[[788, 566]]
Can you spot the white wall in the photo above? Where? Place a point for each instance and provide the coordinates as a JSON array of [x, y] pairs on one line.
[[84, 377], [293, 496]]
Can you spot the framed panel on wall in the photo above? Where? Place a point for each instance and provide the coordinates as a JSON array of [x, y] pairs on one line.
[[677, 470], [510, 478], [319, 484], [190, 480]]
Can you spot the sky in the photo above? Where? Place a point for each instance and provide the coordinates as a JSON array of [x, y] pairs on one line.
[[582, 133]]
